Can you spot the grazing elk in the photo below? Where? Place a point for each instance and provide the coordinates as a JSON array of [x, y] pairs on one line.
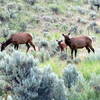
[[19, 38], [62, 45], [78, 43]]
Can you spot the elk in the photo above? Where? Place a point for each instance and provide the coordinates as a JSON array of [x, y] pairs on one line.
[[19, 38], [78, 43], [62, 45]]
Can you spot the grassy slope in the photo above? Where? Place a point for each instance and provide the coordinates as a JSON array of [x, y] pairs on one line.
[[85, 67]]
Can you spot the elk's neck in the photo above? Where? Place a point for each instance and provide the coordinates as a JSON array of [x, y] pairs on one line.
[[8, 42], [68, 42]]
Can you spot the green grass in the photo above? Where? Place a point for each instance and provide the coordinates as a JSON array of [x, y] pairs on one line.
[[56, 64], [86, 67], [89, 67], [1, 39], [54, 36]]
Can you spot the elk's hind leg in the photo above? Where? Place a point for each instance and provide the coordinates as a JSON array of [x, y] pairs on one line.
[[28, 46], [16, 46], [75, 53]]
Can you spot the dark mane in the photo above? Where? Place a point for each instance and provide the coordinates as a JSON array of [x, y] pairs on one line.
[[7, 42], [68, 42]]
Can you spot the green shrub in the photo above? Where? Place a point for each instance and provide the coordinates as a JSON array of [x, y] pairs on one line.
[[27, 81], [63, 55], [86, 93], [94, 81], [43, 55], [31, 2], [71, 76]]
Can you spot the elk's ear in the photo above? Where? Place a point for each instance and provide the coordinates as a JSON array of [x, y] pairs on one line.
[[68, 33], [57, 40], [61, 40], [63, 35]]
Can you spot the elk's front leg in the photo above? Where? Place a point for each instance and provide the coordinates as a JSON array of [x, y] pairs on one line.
[[75, 53], [72, 53]]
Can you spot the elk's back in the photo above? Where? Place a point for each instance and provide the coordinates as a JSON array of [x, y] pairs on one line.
[[80, 42], [63, 45], [21, 38]]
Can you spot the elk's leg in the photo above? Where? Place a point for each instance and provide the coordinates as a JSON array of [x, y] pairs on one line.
[[75, 53], [32, 45], [62, 49], [92, 48], [28, 46], [88, 49], [72, 53], [16, 46], [66, 50]]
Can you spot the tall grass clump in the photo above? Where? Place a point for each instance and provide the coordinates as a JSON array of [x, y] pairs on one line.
[[27, 81], [91, 64], [86, 93], [79, 88], [95, 80], [53, 48], [43, 55], [93, 57]]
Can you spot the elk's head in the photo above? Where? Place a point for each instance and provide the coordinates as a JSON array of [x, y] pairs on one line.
[[59, 41], [67, 38], [3, 45]]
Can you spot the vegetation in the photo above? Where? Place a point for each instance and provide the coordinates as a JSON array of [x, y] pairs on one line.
[[48, 74]]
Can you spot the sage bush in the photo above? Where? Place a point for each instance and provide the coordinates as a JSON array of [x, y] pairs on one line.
[[29, 82]]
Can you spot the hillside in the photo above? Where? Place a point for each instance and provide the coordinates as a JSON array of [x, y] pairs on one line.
[[46, 21]]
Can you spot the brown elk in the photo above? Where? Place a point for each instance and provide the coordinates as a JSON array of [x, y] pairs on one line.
[[78, 43], [62, 45], [19, 38]]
